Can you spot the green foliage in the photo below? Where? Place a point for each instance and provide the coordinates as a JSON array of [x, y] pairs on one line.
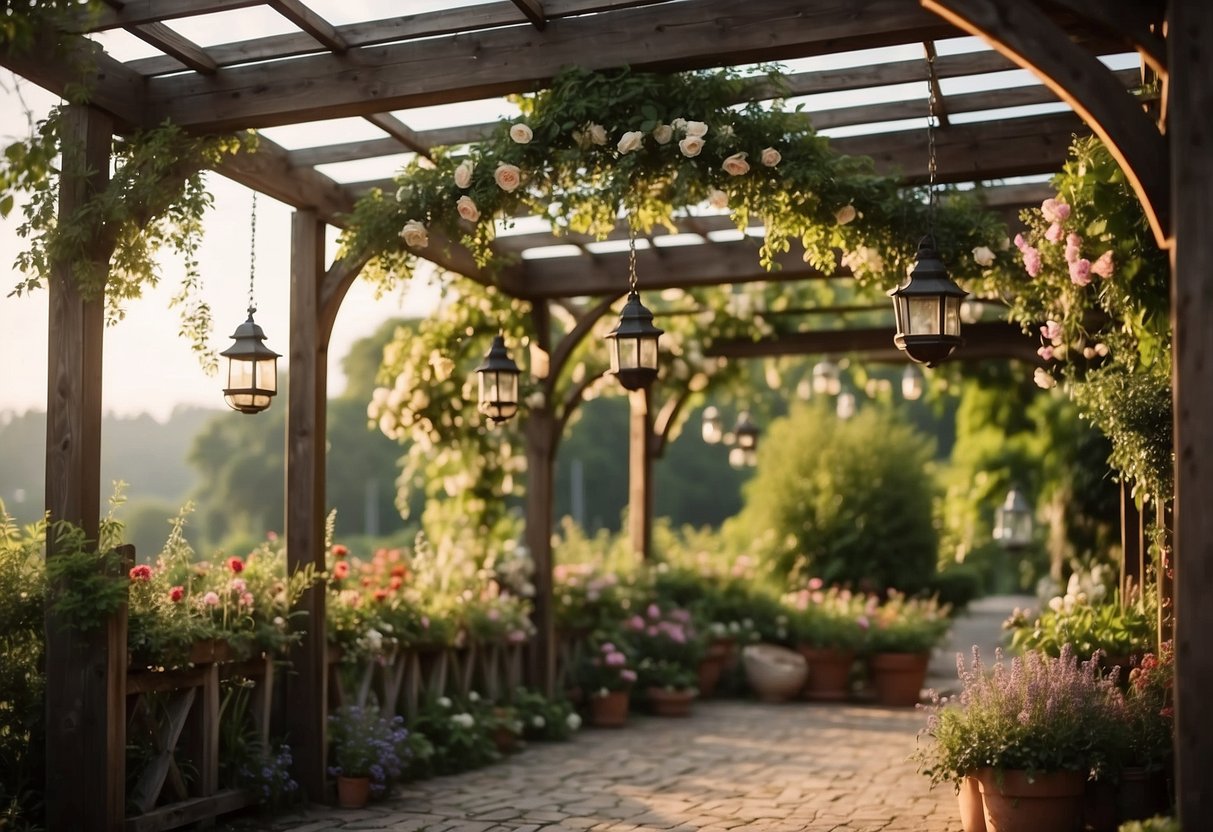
[[956, 586], [543, 718], [84, 577], [832, 618], [1155, 824], [849, 502], [1119, 631], [1150, 699], [906, 625], [460, 741]]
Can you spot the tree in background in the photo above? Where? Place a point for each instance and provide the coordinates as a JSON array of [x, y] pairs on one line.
[[848, 501]]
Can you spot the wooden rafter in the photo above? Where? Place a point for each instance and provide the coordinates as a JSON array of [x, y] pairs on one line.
[[316, 26], [178, 46], [533, 9], [137, 12]]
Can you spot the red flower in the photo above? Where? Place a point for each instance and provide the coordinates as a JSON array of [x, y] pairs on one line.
[[341, 570], [1167, 712], [399, 571], [396, 583], [176, 594], [142, 572], [381, 595], [235, 564], [340, 551]]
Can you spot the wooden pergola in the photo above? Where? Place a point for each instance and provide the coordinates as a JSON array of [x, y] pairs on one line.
[[378, 70]]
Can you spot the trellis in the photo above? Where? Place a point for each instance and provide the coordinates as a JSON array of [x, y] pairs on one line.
[[373, 69]]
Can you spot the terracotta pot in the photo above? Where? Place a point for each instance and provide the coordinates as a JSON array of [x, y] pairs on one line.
[[774, 673], [353, 792], [668, 702], [1141, 794], [1099, 807], [972, 807], [899, 677], [829, 673], [710, 668], [505, 740], [724, 650], [609, 710], [1050, 802]]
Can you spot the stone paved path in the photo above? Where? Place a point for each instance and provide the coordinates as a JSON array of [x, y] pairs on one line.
[[738, 766]]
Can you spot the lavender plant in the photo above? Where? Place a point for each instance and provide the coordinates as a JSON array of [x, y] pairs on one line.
[[366, 744]]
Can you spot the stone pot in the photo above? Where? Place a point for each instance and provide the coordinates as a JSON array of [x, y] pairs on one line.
[[774, 673], [1048, 802]]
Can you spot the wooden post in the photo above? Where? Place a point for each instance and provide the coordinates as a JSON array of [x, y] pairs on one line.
[[1165, 522], [1190, 100], [540, 431], [640, 474], [305, 503], [1132, 545], [85, 673]]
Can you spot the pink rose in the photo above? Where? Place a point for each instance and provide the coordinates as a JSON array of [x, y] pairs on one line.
[[816, 583], [1051, 331], [627, 675], [771, 157], [467, 208], [1054, 233], [1080, 272], [718, 198], [691, 146], [1054, 210], [1073, 247], [1045, 353], [1031, 261], [520, 133], [736, 165], [463, 174], [415, 234], [246, 599], [507, 177], [1103, 266], [845, 214], [1020, 242], [211, 599]]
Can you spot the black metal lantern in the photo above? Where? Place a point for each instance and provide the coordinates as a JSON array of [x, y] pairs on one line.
[[498, 377], [252, 369], [633, 345], [1013, 521], [713, 428], [745, 441], [927, 309]]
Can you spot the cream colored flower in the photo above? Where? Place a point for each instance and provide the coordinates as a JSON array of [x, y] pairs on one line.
[[521, 133], [630, 141], [697, 128], [736, 165], [718, 198], [662, 133], [463, 174], [467, 209], [597, 133], [415, 234], [771, 157], [845, 214], [983, 256], [507, 177], [691, 146], [1044, 380], [679, 124]]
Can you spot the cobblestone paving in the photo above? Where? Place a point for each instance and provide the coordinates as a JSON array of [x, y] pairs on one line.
[[738, 766]]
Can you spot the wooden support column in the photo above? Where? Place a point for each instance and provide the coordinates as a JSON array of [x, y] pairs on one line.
[[541, 440], [305, 503], [1132, 545], [640, 474], [85, 673], [1190, 58]]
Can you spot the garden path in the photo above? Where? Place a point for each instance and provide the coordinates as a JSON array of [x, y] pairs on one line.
[[734, 765]]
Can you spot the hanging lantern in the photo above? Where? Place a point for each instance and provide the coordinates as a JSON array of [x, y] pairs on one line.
[[713, 428], [745, 438], [845, 407], [911, 383], [634, 345], [1013, 521], [927, 309], [825, 379], [498, 377], [252, 369]]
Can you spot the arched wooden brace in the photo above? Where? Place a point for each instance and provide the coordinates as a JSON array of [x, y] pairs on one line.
[[1022, 32]]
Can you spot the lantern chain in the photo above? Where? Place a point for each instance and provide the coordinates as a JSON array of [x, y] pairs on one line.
[[252, 257], [631, 255], [932, 123]]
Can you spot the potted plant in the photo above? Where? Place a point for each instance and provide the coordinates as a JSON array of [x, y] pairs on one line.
[[901, 635], [367, 752], [1149, 735], [668, 650], [606, 677], [1117, 632], [827, 627], [1022, 737]]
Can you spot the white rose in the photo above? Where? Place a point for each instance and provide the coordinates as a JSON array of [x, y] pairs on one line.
[[538, 721], [1044, 380], [736, 165], [463, 174], [691, 146], [507, 177], [467, 209], [573, 720], [983, 256], [521, 133], [414, 234], [697, 128], [598, 133], [679, 124], [771, 157], [727, 131], [662, 133], [845, 214], [631, 141], [718, 198]]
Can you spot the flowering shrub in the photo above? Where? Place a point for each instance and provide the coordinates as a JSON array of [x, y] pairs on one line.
[[587, 598], [905, 625], [1150, 701], [1037, 714], [366, 744], [827, 618], [667, 647], [605, 668], [543, 718], [1119, 632], [271, 781], [461, 740]]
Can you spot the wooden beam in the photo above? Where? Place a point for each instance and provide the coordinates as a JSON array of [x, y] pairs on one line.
[[533, 10], [316, 26], [400, 132], [85, 672], [1132, 21], [1021, 32], [305, 501], [269, 170], [972, 152], [1189, 35], [190, 54], [516, 59], [138, 12], [982, 341], [1132, 547]]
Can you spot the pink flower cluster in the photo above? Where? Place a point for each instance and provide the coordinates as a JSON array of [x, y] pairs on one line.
[[1031, 256], [676, 626], [1056, 213]]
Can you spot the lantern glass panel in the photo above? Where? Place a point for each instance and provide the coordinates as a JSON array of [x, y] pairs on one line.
[[508, 383], [615, 347], [922, 316], [647, 353], [267, 374], [951, 316], [239, 374]]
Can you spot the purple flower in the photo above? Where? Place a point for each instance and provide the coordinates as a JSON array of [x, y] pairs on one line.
[[627, 675]]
